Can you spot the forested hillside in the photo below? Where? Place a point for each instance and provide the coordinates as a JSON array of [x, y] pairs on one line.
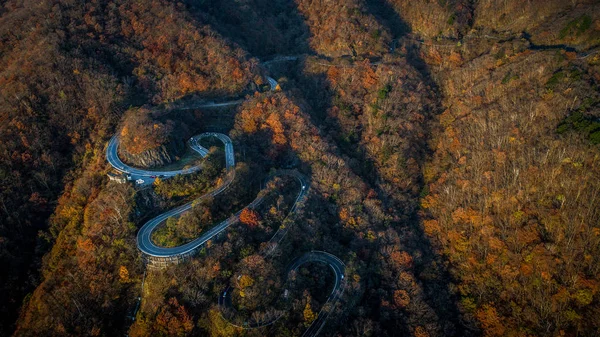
[[452, 151], [67, 72], [511, 192]]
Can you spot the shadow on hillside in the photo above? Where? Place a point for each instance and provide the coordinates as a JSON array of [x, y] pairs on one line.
[[437, 289], [320, 94], [263, 28], [389, 18], [277, 28], [355, 155]]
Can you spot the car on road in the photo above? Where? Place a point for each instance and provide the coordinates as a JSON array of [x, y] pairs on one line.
[[153, 177], [139, 181]]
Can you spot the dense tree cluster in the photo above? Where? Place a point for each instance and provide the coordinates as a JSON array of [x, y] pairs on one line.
[[68, 69], [195, 183], [343, 28], [510, 195], [181, 57], [513, 204], [499, 15], [432, 18], [377, 115], [141, 132], [353, 211], [177, 231], [264, 28], [93, 269], [172, 320], [54, 109], [454, 169]]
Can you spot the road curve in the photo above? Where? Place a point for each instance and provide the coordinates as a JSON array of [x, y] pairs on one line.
[[144, 237], [112, 155], [272, 83], [337, 266], [150, 249]]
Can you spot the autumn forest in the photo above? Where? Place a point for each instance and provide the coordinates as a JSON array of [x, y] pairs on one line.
[[392, 167]]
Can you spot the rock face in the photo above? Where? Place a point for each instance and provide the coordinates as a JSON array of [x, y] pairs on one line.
[[149, 139], [156, 157]]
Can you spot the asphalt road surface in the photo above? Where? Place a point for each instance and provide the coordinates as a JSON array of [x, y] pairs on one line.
[[150, 249], [272, 83], [338, 268], [144, 237]]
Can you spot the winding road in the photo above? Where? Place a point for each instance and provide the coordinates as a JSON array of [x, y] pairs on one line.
[[144, 237], [112, 155], [160, 256], [337, 266]]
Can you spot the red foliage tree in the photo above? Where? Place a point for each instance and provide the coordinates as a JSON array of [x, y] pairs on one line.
[[250, 218]]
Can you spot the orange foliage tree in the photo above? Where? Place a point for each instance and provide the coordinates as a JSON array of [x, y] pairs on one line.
[[250, 218]]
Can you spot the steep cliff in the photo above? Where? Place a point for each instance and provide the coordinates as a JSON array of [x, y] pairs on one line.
[[149, 141], [162, 155]]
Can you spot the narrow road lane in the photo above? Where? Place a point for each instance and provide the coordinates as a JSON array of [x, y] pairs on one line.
[[144, 237], [174, 254]]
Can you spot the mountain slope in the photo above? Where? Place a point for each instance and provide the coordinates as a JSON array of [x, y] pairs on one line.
[[67, 72]]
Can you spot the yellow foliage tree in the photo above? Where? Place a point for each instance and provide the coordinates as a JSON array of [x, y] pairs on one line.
[[246, 281], [124, 274], [309, 315]]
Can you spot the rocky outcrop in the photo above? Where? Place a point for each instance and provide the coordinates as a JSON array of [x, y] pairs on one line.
[[148, 138], [156, 157]]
